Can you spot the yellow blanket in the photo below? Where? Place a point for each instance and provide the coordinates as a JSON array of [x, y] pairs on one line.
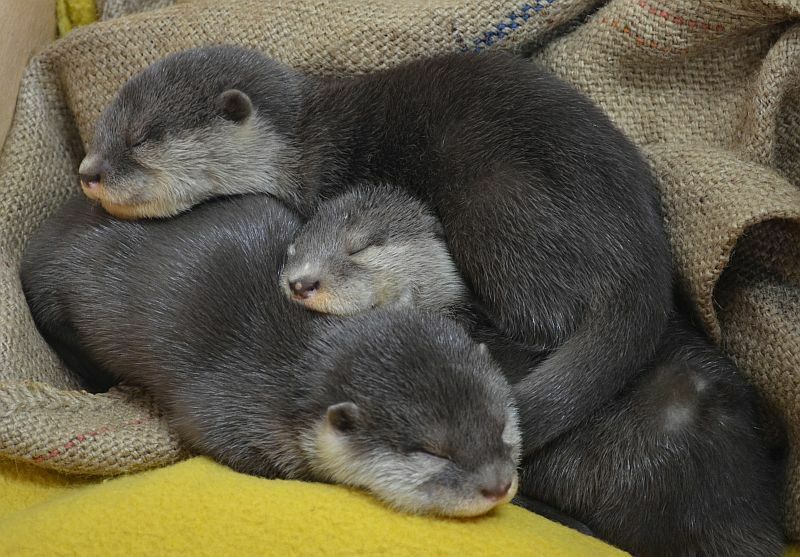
[[200, 508], [74, 13]]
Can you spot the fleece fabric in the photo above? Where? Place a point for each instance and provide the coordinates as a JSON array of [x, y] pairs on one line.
[[199, 508]]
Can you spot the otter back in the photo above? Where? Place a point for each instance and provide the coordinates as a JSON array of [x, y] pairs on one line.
[[678, 464]]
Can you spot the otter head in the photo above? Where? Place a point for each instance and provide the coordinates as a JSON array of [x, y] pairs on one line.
[[372, 246], [200, 123], [416, 413]]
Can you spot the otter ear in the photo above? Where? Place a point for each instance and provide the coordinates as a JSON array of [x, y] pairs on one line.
[[343, 417], [235, 105]]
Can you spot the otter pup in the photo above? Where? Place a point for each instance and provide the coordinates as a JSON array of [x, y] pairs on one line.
[[378, 246], [677, 464], [373, 246], [550, 213], [401, 403]]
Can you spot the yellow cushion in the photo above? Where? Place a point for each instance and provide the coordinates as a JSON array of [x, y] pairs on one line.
[[198, 507], [73, 13]]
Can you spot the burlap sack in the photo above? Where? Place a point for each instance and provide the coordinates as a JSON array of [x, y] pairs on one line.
[[111, 9], [711, 90]]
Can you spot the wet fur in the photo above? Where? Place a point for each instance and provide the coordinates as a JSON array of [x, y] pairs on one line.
[[550, 213], [190, 308]]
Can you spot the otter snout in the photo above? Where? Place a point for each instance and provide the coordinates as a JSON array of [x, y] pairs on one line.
[[92, 173], [303, 287], [307, 284], [327, 285], [498, 482], [496, 492]]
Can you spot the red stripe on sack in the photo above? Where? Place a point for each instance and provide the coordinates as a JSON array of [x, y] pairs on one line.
[[678, 20], [58, 451]]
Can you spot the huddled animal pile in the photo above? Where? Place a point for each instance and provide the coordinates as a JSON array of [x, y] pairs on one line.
[[446, 283]]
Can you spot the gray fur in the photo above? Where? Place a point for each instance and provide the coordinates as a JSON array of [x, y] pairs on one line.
[[159, 153], [401, 403], [678, 465]]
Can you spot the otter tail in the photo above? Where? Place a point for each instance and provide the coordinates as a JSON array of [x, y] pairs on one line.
[[607, 350]]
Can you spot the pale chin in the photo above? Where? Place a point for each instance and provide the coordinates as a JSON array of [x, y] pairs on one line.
[[475, 508], [325, 303]]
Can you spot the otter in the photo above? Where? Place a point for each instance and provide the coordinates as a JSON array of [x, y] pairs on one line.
[[401, 403], [676, 464], [373, 246], [378, 246], [550, 213]]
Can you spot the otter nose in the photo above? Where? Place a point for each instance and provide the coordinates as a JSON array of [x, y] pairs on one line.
[[497, 491], [304, 287], [91, 181], [91, 172]]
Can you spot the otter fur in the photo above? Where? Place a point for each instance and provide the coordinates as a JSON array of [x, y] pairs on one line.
[[676, 464], [551, 215], [679, 464], [400, 403]]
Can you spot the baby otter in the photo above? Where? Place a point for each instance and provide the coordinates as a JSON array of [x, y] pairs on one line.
[[551, 215], [373, 246], [401, 403], [378, 246], [675, 465]]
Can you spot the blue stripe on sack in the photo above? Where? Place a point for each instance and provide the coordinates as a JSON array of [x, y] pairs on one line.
[[501, 30]]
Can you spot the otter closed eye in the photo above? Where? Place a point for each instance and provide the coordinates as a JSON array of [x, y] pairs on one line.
[[360, 247], [356, 251], [431, 453]]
